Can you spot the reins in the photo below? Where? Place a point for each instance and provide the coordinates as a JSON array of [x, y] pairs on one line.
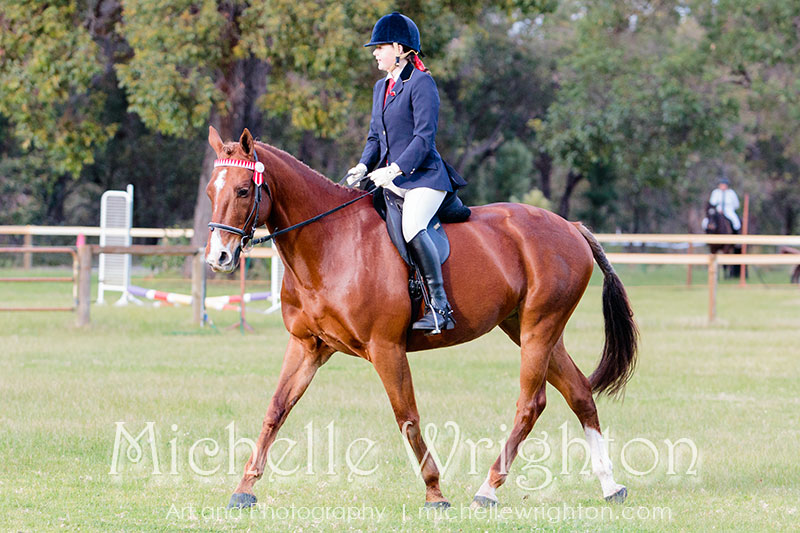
[[299, 225], [247, 240]]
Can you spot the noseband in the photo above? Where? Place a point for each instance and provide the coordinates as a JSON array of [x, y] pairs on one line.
[[258, 179]]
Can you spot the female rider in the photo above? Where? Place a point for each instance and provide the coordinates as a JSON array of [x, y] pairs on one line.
[[401, 152]]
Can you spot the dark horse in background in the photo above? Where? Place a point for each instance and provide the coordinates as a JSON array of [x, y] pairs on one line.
[[718, 224], [345, 290]]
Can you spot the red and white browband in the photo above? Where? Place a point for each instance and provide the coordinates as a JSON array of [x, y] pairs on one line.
[[252, 218], [256, 166]]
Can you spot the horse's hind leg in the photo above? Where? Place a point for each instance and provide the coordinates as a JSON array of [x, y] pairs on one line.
[[565, 376], [536, 346], [392, 366]]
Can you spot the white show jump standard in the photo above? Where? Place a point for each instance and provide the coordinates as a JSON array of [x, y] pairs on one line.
[[116, 213]]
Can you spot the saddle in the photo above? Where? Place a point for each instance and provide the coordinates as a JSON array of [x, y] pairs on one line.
[[390, 208]]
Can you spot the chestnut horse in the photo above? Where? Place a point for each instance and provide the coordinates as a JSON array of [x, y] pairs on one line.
[[345, 289]]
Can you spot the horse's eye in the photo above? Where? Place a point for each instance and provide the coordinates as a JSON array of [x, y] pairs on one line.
[[242, 193]]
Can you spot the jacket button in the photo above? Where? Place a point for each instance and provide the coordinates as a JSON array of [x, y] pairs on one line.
[[384, 132]]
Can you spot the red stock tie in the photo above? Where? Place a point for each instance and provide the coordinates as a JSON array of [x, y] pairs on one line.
[[389, 88]]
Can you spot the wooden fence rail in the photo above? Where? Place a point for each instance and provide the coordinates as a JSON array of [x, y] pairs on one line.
[[44, 250], [622, 238], [87, 252], [712, 262]]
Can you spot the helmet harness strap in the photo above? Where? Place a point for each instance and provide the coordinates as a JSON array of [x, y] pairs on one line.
[[398, 55]]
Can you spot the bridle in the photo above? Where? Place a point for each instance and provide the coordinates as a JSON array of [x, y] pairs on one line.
[[258, 179], [247, 241]]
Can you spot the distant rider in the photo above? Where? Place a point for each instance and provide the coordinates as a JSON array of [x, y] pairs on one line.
[[725, 201]]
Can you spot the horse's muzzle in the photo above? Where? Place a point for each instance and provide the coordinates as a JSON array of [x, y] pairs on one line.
[[224, 263], [220, 257]]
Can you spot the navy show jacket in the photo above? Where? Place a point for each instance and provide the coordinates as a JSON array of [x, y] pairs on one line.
[[404, 132]]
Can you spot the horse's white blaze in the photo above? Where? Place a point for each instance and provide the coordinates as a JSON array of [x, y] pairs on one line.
[[487, 491], [219, 183], [601, 463], [216, 248]]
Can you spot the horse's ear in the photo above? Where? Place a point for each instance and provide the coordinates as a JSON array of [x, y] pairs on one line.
[[246, 140], [214, 139]]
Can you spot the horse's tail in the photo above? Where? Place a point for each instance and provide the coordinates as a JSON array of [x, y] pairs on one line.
[[619, 351]]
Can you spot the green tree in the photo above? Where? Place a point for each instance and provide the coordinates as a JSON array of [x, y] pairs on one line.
[[49, 68], [294, 69], [633, 111], [496, 84], [504, 176], [753, 46]]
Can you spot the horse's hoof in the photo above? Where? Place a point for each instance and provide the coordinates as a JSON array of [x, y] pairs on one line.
[[482, 501], [241, 500], [618, 497], [444, 504]]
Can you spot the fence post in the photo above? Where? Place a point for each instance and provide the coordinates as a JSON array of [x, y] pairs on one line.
[[745, 218], [27, 257], [84, 284], [198, 287], [712, 287]]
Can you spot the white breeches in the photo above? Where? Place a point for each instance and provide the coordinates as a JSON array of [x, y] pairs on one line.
[[730, 215], [734, 218], [419, 206]]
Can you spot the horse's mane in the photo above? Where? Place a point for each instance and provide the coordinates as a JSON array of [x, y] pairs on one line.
[[308, 173]]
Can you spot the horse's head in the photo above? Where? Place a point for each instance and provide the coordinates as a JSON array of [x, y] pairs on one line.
[[237, 202], [712, 215]]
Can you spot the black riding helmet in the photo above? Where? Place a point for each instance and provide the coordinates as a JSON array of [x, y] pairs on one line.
[[395, 28]]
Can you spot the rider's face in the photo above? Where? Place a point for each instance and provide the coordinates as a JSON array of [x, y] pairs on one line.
[[384, 55]]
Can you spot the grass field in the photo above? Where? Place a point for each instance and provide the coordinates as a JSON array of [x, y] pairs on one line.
[[729, 390]]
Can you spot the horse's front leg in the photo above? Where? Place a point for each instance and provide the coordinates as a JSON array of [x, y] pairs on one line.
[[302, 359], [391, 363]]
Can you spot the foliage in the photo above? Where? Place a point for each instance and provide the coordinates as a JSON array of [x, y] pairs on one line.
[[633, 110], [534, 197], [505, 175], [754, 47], [48, 68], [312, 49], [488, 136], [621, 113], [169, 79]]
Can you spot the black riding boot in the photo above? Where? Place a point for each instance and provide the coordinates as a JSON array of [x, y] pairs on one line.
[[427, 258]]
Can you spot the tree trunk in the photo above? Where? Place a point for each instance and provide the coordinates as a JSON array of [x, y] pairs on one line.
[[202, 205], [572, 180], [790, 218], [243, 85], [54, 203], [544, 164], [474, 154]]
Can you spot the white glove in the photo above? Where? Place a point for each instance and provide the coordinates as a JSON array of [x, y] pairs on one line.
[[356, 174], [383, 176]]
